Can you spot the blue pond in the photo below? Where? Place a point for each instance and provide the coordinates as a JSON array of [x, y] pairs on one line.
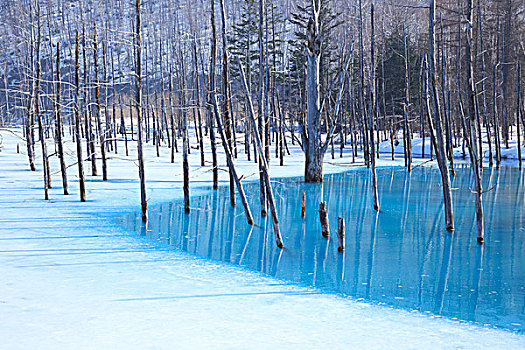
[[401, 257]]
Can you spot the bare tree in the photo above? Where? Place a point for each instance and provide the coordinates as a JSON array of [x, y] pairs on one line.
[[261, 104], [226, 103], [264, 166], [373, 112], [438, 133], [138, 109], [211, 95], [78, 125], [313, 167], [101, 136], [472, 125], [58, 121]]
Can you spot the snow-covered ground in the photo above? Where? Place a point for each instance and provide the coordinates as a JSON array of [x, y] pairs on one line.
[[73, 279], [509, 154]]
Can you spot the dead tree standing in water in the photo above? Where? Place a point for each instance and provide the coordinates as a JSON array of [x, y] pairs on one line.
[[264, 165], [226, 104], [518, 108], [198, 98], [88, 124], [211, 96], [373, 108], [59, 125], [261, 104], [185, 141], [101, 136], [138, 107], [406, 106], [311, 133], [36, 96], [229, 160], [28, 125], [472, 125], [78, 126], [185, 162], [438, 132]]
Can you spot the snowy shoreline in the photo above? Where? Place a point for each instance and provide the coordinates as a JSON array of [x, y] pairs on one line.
[[70, 283]]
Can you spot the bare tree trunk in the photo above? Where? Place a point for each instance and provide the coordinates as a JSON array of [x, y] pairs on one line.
[[446, 116], [440, 147], [303, 204], [211, 96], [28, 125], [163, 111], [518, 108], [282, 138], [44, 147], [29, 139], [174, 147], [6, 117], [78, 138], [361, 96], [226, 104], [340, 234], [261, 104], [36, 94], [185, 163], [138, 107], [233, 122], [229, 160], [123, 130], [393, 130], [156, 127], [313, 171], [505, 69], [373, 109], [114, 103], [406, 104], [486, 119], [88, 125], [101, 136], [472, 105], [266, 177], [421, 110], [185, 141], [59, 125], [197, 93], [323, 219], [448, 134]]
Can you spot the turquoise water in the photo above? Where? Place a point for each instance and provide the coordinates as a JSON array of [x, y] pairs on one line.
[[401, 257]]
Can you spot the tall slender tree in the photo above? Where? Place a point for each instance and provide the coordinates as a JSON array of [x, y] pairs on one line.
[[138, 110], [436, 110], [58, 121], [226, 103], [78, 126], [373, 112], [100, 131], [472, 125]]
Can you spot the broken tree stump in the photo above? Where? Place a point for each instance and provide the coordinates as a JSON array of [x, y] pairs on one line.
[[323, 217], [303, 207], [340, 234]]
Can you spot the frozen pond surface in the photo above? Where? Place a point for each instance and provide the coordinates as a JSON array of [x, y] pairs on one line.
[[74, 278], [401, 257]]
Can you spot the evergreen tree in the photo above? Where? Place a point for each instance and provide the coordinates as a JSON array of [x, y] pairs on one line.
[[394, 72]]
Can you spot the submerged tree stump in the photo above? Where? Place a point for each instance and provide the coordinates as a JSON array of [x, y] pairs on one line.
[[340, 234], [303, 206], [323, 217]]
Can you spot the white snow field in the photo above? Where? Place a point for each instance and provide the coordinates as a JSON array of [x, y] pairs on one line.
[[72, 279]]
